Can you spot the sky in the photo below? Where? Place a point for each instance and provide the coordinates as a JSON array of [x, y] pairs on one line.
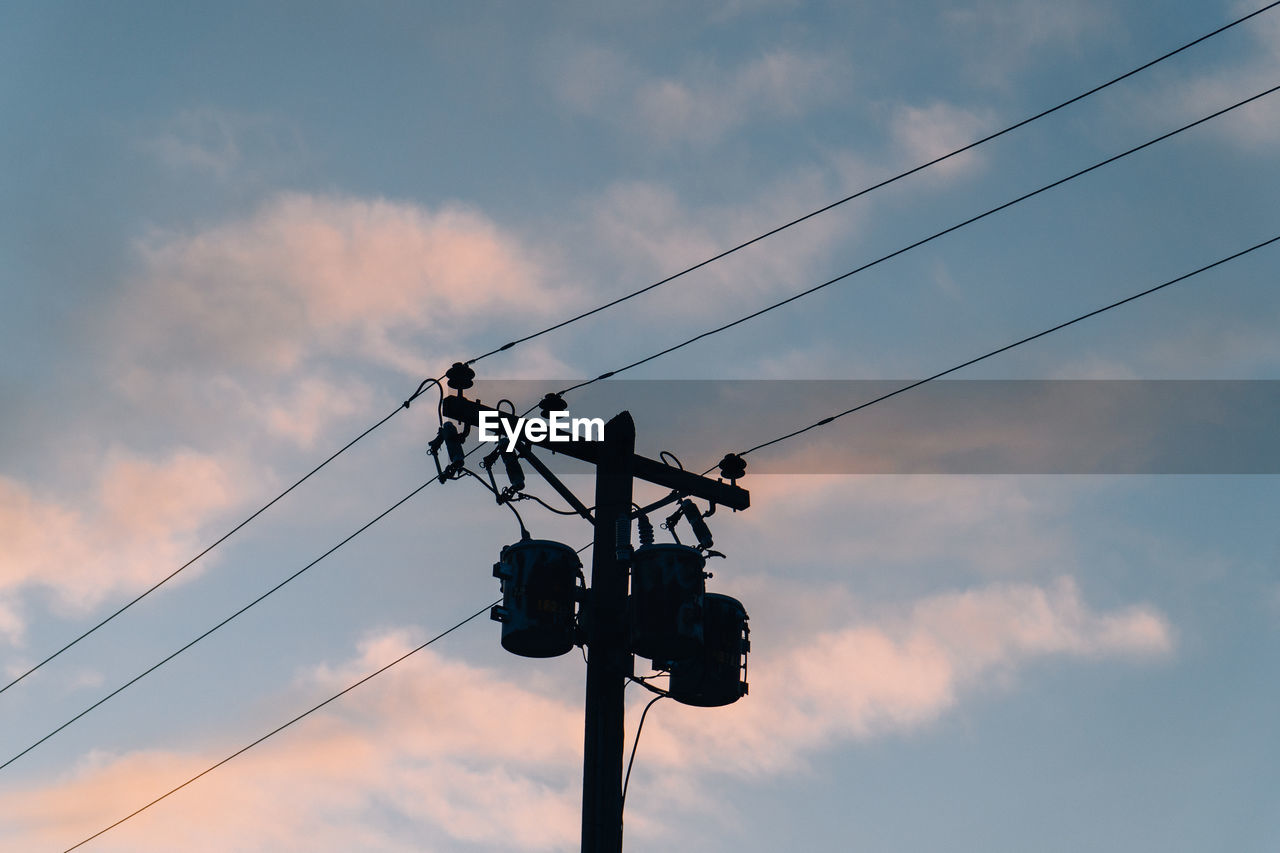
[[234, 236]]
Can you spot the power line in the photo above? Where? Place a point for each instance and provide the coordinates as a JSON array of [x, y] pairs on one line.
[[224, 537], [610, 304], [760, 446], [884, 183], [284, 726], [1005, 348], [220, 624], [916, 244]]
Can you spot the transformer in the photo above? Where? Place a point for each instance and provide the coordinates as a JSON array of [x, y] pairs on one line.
[[716, 673], [667, 584], [540, 588]]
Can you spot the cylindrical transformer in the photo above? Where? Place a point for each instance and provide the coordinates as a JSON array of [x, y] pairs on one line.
[[539, 591], [716, 674], [667, 583]]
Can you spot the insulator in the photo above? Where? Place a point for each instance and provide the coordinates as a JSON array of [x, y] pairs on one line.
[[700, 530], [460, 377], [716, 673], [453, 443], [646, 530], [732, 467], [667, 583], [552, 403], [539, 582], [515, 475]]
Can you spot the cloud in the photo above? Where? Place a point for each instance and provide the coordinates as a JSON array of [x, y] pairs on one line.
[[897, 673], [222, 143], [1007, 35], [1254, 128], [307, 276], [138, 521], [650, 229], [928, 132], [450, 750], [456, 752], [251, 338], [705, 102]]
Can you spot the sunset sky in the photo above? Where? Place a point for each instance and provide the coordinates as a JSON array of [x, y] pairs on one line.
[[233, 237]]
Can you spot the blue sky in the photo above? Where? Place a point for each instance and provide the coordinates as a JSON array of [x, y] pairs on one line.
[[234, 237]]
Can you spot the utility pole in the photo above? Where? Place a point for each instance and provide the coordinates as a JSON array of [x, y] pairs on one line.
[[609, 663], [605, 611]]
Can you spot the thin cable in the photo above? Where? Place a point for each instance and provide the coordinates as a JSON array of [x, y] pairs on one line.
[[877, 186], [1005, 348], [220, 624], [524, 532], [224, 537], [918, 243], [190, 562], [545, 505], [284, 726], [627, 779], [607, 305]]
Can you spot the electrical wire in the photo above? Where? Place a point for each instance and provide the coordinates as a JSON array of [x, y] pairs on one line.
[[220, 624], [286, 725], [917, 243], [1004, 348], [511, 344], [224, 537], [526, 496], [760, 446], [524, 532], [635, 745], [884, 183]]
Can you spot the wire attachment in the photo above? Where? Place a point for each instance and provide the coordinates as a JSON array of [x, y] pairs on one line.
[[701, 532], [451, 439], [646, 529], [552, 402], [460, 377], [732, 468]]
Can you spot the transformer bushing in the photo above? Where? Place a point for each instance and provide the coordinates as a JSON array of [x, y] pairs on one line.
[[667, 583], [716, 673], [539, 582]]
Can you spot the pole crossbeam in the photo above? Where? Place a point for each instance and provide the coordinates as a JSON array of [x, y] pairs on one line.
[[643, 468]]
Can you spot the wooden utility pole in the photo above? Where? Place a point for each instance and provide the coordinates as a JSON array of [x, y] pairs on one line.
[[609, 662]]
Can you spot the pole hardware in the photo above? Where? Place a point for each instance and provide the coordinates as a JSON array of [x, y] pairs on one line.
[[649, 601]]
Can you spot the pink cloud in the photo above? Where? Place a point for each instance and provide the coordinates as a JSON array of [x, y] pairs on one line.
[[134, 524], [451, 748], [460, 753], [307, 275], [896, 673]]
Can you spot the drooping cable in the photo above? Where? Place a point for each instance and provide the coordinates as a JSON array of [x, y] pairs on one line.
[[220, 624], [918, 243], [1004, 348], [286, 725], [526, 496], [627, 779], [524, 531], [884, 183]]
